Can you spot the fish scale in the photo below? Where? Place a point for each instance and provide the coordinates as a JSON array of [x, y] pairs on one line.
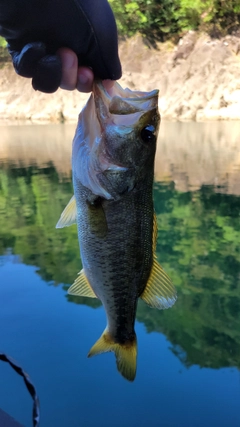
[[116, 261]]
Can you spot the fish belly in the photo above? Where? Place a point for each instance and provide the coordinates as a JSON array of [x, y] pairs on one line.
[[117, 262]]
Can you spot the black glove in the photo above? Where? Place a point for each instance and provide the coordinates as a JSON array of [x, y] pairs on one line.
[[35, 29]]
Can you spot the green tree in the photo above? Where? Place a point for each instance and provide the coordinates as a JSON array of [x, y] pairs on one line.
[[161, 19], [193, 14], [152, 18], [227, 14], [3, 42], [4, 55]]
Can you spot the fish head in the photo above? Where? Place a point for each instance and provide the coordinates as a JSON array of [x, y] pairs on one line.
[[117, 133], [129, 122]]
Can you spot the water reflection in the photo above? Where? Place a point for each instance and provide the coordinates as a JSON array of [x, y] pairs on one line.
[[189, 154], [198, 211], [195, 154]]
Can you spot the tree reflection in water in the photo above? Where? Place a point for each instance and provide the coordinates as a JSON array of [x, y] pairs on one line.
[[198, 245]]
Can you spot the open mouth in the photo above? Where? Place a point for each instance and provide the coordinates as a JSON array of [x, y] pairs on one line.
[[121, 101]]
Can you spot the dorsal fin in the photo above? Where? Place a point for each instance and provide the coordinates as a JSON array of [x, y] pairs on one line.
[[159, 291], [155, 233], [81, 287], [69, 215]]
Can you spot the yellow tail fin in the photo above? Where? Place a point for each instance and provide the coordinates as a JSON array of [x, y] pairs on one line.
[[126, 354]]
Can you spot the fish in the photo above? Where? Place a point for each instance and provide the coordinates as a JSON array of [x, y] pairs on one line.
[[112, 172]]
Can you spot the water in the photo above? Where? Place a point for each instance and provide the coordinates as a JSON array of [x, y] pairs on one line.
[[188, 356]]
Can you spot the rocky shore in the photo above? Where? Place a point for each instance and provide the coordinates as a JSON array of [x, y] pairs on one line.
[[199, 79]]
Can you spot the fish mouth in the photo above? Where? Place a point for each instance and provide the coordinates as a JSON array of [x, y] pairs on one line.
[[119, 101]]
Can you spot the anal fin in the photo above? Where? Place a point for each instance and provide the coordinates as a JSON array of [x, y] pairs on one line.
[[81, 287]]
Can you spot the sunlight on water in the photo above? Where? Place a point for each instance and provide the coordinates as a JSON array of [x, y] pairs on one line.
[[188, 356]]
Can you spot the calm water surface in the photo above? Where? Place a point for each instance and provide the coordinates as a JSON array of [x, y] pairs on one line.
[[188, 356]]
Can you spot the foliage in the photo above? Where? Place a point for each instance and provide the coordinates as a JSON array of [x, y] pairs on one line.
[[227, 14], [192, 15], [153, 18], [3, 42], [158, 19], [4, 55], [198, 245]]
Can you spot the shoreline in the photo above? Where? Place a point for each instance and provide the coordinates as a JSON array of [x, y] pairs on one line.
[[198, 80]]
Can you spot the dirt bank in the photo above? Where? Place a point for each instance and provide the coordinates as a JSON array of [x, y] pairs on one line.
[[199, 79]]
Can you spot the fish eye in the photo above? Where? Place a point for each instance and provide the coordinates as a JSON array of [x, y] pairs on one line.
[[148, 134]]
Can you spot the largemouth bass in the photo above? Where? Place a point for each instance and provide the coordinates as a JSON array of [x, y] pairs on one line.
[[113, 170]]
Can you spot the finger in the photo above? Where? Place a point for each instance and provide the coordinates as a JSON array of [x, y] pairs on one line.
[[85, 79], [25, 62], [69, 68], [47, 75], [109, 86]]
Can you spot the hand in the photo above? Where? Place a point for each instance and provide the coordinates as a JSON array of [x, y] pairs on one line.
[[41, 34]]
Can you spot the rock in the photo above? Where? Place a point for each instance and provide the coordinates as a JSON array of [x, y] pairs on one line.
[[185, 46], [199, 79]]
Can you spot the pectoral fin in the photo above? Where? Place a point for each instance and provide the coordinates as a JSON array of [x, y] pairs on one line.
[[126, 354], [159, 291], [97, 218], [81, 287], [69, 215]]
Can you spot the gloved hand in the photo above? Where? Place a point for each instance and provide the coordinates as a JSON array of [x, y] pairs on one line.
[[36, 29]]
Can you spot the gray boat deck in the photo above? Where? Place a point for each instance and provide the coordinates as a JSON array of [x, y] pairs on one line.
[[7, 421]]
